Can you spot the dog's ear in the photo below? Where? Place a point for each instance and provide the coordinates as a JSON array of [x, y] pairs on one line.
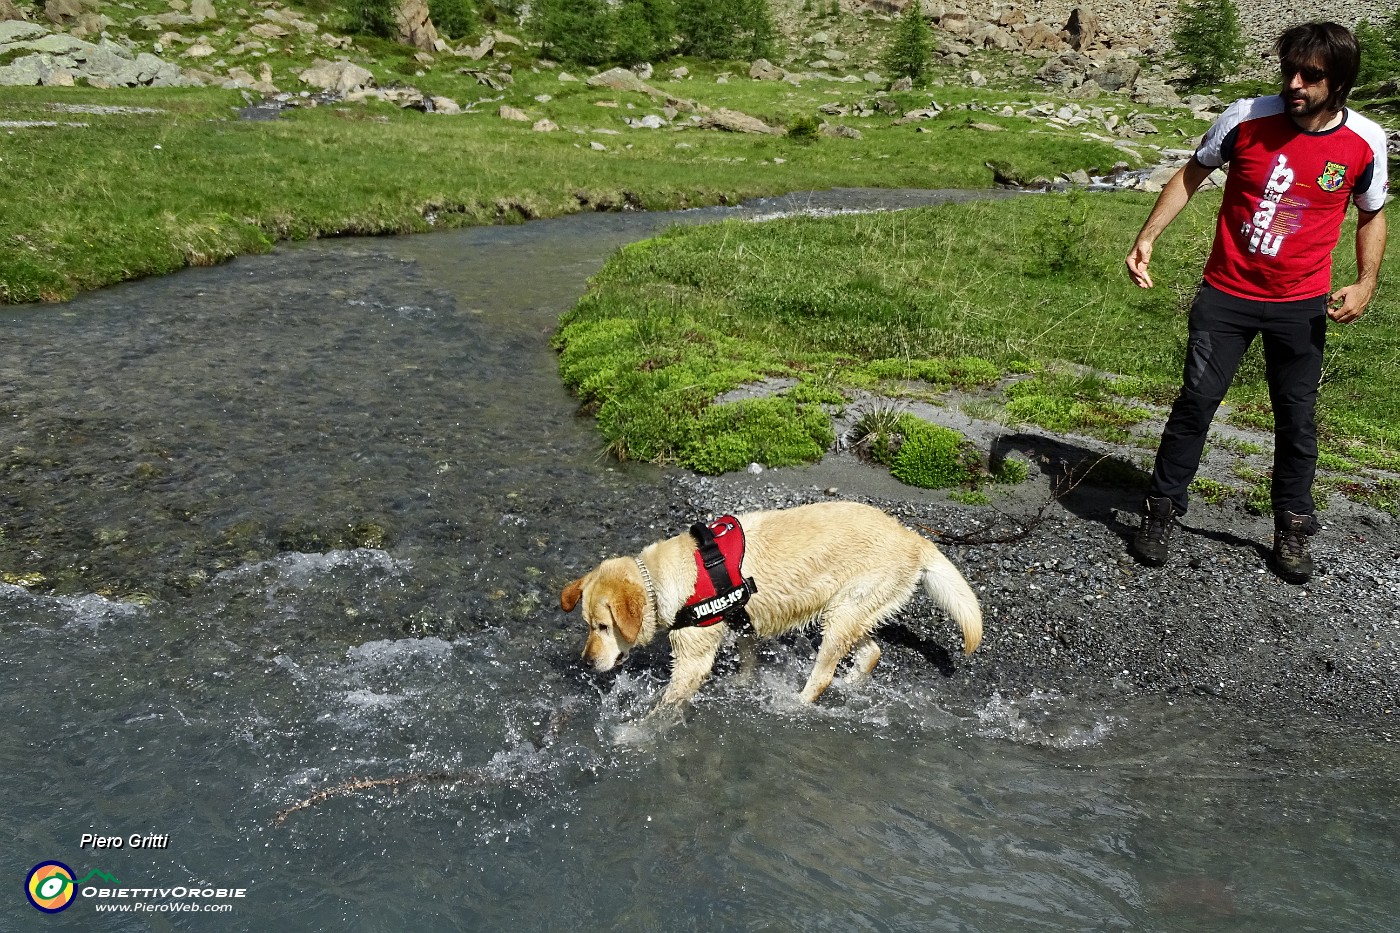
[[627, 612], [571, 595]]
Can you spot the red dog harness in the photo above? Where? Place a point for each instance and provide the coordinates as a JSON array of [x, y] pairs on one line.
[[721, 590]]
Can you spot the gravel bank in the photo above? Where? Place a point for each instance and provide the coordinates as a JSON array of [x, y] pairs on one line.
[[1066, 609]]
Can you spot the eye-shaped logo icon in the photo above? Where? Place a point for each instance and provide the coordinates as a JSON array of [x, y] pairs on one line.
[[50, 887]]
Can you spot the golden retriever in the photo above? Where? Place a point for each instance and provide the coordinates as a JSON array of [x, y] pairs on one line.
[[848, 565]]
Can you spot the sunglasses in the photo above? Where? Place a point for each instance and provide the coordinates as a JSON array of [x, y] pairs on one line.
[[1309, 74]]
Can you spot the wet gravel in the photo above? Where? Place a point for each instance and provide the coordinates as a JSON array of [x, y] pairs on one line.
[[1066, 609]]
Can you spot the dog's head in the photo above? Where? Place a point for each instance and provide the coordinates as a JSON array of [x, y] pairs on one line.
[[614, 607]]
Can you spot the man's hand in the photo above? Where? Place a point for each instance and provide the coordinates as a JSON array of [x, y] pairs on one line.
[[1138, 259], [1175, 193], [1347, 304]]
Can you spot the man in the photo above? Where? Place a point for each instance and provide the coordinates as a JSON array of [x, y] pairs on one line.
[[1296, 160]]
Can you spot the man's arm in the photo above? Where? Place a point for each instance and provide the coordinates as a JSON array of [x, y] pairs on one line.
[[1348, 303], [1173, 198]]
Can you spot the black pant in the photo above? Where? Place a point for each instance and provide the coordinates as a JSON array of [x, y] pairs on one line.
[[1221, 328]]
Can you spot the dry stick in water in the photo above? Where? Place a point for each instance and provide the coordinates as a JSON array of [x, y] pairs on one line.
[[1062, 487], [414, 779]]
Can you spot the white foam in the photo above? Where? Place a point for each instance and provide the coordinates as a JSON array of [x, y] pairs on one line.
[[1042, 718], [88, 611], [297, 568], [395, 653]]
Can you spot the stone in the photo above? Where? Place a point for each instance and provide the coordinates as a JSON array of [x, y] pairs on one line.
[[415, 25], [17, 30], [622, 79], [268, 31], [955, 22], [1118, 75], [514, 114], [10, 12], [481, 50], [1082, 28], [341, 76], [62, 12], [446, 106], [732, 121], [203, 10], [545, 126], [764, 70]]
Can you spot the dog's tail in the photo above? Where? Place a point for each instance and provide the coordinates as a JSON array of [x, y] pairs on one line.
[[947, 587]]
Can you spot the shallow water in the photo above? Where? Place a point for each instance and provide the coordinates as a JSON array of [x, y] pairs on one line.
[[195, 465]]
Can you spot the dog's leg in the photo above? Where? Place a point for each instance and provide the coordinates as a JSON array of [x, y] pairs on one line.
[[747, 646], [836, 643], [693, 653], [866, 656]]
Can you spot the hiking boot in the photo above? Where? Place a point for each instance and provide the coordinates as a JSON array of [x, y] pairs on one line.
[[1152, 543], [1291, 559]]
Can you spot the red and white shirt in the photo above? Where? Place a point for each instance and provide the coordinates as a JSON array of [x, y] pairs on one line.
[[1285, 197]]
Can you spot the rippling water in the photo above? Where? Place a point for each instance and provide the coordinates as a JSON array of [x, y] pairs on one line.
[[303, 518]]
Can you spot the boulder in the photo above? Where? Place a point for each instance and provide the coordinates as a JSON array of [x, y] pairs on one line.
[[732, 121], [17, 30], [1117, 75], [622, 79], [1039, 36], [340, 77], [415, 25], [479, 51], [8, 12], [62, 12], [764, 70], [837, 131], [1065, 70], [514, 114], [955, 22], [1082, 29]]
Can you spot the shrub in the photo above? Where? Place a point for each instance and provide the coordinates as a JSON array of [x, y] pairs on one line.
[[1012, 472], [456, 19], [643, 30], [933, 457], [1066, 248], [771, 431], [576, 31], [876, 432], [804, 129], [911, 50], [1207, 41], [725, 28], [373, 18], [1380, 51]]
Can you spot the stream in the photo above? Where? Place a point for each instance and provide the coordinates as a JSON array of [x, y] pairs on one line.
[[303, 518]]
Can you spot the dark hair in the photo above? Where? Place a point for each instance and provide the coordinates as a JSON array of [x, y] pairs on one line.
[[1329, 43]]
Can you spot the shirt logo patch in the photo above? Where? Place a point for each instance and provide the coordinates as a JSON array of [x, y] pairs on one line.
[[1332, 176]]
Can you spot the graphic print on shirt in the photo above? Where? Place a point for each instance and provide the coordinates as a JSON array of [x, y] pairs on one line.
[[1332, 177], [1276, 216]]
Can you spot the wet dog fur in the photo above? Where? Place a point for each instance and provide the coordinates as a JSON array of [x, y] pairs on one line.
[[846, 565]]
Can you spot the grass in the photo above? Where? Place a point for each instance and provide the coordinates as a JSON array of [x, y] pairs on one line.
[[926, 295], [191, 184]]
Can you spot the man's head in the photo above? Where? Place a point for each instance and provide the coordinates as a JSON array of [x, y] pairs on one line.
[[1319, 62]]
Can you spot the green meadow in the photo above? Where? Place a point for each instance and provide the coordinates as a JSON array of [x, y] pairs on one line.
[[909, 304], [127, 195]]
